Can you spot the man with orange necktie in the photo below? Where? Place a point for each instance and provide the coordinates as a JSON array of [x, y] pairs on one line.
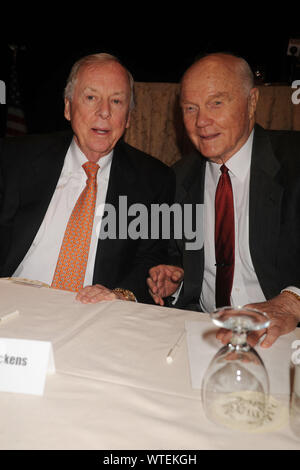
[[53, 190], [249, 182]]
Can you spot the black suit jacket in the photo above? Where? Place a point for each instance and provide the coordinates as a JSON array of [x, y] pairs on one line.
[[274, 214], [29, 170]]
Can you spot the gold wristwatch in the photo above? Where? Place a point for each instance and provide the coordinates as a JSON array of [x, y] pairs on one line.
[[126, 293]]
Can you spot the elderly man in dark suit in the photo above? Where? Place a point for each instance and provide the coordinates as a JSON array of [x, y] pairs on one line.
[[50, 213], [251, 250]]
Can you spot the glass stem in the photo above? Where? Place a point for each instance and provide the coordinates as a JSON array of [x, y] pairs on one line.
[[239, 340]]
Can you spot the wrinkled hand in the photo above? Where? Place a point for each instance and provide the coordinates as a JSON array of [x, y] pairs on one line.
[[97, 293], [284, 312], [163, 281]]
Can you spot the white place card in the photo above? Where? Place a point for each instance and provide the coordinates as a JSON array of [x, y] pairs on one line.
[[24, 365]]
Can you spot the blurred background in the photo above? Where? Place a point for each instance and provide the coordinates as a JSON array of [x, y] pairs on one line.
[[35, 72]]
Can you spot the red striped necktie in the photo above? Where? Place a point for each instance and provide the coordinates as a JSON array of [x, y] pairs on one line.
[[224, 238]]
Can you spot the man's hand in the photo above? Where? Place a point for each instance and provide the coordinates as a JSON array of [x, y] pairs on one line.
[[284, 313], [163, 281], [97, 293]]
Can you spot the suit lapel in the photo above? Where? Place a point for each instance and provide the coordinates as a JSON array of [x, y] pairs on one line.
[[122, 176], [192, 187], [36, 190], [46, 172], [265, 203], [191, 191], [121, 183]]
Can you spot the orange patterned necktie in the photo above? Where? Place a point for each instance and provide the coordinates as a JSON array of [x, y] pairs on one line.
[[71, 264]]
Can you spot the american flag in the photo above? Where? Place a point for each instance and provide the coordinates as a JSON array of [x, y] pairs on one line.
[[15, 116]]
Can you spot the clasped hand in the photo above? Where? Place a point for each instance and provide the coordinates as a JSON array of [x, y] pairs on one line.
[[97, 293], [164, 281], [283, 310]]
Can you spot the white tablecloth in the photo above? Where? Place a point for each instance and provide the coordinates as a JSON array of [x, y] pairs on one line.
[[113, 388]]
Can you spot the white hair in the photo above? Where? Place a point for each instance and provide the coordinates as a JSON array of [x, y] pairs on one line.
[[94, 59], [246, 74]]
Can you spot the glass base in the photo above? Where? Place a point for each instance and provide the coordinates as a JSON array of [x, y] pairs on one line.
[[243, 410], [295, 414]]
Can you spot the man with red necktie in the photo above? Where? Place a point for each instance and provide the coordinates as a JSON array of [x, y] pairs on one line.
[[248, 180]]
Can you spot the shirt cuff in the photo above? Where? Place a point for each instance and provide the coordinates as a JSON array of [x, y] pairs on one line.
[[294, 289], [176, 294]]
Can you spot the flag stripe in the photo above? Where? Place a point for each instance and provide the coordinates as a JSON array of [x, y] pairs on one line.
[[18, 126], [14, 133], [16, 112]]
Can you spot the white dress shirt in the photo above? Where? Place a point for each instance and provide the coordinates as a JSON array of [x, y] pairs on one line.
[[40, 260], [246, 288]]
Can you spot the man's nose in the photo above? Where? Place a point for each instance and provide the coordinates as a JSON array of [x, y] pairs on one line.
[[203, 119], [103, 109]]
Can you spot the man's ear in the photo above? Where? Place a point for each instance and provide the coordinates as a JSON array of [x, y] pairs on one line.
[[67, 112], [252, 102], [128, 120]]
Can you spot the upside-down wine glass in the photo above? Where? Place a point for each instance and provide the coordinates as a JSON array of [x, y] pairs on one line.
[[235, 387]]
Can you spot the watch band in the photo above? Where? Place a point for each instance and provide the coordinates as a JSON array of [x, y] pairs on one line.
[[291, 292], [126, 293]]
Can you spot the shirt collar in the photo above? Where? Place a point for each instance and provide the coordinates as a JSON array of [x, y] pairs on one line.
[[239, 163], [76, 158]]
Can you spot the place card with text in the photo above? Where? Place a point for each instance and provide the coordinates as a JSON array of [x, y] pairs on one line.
[[24, 365]]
